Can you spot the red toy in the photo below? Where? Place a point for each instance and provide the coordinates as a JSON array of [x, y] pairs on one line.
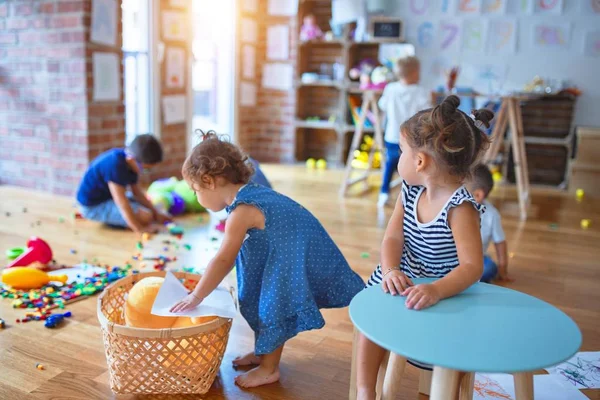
[[37, 250]]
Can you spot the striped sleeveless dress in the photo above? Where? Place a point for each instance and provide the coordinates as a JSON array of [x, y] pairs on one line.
[[429, 248]]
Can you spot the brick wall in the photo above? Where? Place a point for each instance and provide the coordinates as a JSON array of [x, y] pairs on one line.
[[266, 131]]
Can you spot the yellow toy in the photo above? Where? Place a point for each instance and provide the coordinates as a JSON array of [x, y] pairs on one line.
[[585, 223], [579, 193], [139, 304], [321, 164], [311, 163], [26, 278]]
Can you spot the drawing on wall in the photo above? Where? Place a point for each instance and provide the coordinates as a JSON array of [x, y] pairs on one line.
[[104, 26], [278, 42], [526, 6], [107, 81], [247, 94], [249, 30], [552, 35], [174, 109], [502, 36], [174, 24], [175, 68], [250, 6], [449, 35], [494, 7], [549, 7], [469, 6], [425, 34], [581, 371], [474, 35], [248, 61], [592, 44]]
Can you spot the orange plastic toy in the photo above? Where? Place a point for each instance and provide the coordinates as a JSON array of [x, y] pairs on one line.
[[26, 278]]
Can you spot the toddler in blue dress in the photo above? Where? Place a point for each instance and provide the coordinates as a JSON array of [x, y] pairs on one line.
[[287, 265]]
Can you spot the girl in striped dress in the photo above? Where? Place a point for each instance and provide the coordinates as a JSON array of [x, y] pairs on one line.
[[434, 229]]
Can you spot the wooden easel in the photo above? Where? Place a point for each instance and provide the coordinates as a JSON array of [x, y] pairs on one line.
[[510, 116], [369, 103]]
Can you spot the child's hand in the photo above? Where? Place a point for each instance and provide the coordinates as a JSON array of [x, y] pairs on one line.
[[189, 302], [161, 218], [395, 282], [421, 296]]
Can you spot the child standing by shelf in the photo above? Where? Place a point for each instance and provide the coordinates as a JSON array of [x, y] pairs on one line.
[[434, 229], [287, 265], [400, 101], [480, 185]]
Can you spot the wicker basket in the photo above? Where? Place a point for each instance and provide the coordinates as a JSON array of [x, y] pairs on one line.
[[152, 361]]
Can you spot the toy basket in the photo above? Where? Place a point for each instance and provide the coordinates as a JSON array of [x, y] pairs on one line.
[[152, 361]]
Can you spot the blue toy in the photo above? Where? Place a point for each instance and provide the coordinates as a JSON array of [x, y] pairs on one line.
[[54, 320]]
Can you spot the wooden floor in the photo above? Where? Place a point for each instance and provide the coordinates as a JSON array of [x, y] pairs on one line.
[[557, 263]]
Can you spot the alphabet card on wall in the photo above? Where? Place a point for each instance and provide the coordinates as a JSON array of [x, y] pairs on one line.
[[552, 35], [502, 36], [469, 7], [175, 67], [449, 35], [554, 7], [526, 6], [474, 35], [494, 7], [174, 26]]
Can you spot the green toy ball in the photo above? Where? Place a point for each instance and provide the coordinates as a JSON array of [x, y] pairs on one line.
[[15, 252], [189, 197], [162, 201], [163, 185]]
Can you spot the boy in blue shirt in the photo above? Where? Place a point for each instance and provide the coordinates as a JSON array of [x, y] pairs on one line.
[[102, 194]]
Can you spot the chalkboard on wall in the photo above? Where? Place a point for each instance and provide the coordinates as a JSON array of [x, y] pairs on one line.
[[385, 29]]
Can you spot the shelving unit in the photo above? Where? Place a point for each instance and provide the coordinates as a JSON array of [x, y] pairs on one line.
[[326, 99]]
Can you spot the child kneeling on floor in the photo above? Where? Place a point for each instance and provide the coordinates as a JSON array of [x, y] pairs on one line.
[[480, 185], [287, 265], [434, 229], [102, 194]]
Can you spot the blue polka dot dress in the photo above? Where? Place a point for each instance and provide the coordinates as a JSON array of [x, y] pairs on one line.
[[288, 271]]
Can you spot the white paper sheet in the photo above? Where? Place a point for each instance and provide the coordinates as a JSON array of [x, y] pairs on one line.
[[581, 371], [501, 387], [502, 36], [551, 7], [175, 68], [278, 76], [107, 82], [104, 22], [553, 35], [174, 25], [247, 94], [218, 303], [283, 7], [248, 61], [249, 30], [77, 273], [174, 109], [278, 42]]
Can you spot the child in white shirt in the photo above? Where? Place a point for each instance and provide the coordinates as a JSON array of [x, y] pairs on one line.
[[400, 101], [480, 185]]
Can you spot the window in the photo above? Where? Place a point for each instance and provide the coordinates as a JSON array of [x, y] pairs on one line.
[[138, 72]]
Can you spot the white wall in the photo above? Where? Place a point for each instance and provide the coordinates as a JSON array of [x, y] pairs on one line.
[[570, 64]]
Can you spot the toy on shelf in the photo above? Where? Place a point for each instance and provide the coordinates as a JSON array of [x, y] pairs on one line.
[[370, 74], [310, 30], [311, 163], [25, 278], [56, 319], [174, 196], [361, 157], [37, 250], [14, 252]]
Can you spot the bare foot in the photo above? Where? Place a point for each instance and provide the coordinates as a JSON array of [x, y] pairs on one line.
[[248, 359], [257, 377], [364, 394]]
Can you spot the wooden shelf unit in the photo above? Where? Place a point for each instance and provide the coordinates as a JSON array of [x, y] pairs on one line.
[[329, 98]]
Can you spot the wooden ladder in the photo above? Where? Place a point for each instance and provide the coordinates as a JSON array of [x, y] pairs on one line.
[[369, 103]]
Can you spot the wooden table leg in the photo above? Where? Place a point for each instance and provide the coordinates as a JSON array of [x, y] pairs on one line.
[[444, 384], [523, 386], [467, 384], [381, 375], [393, 375], [353, 389], [425, 381]]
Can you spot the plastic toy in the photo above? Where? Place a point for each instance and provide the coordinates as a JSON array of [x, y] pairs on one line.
[[29, 278], [37, 250], [310, 30], [56, 319], [139, 305], [174, 196], [188, 196], [585, 223], [311, 163], [321, 164], [15, 252], [40, 366], [2, 324], [579, 193]]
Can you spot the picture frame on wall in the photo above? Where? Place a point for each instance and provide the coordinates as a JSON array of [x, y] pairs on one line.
[[385, 29]]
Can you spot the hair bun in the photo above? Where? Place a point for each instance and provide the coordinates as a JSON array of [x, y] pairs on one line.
[[484, 115], [451, 103]]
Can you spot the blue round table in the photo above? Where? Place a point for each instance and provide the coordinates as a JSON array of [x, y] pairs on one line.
[[486, 328]]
